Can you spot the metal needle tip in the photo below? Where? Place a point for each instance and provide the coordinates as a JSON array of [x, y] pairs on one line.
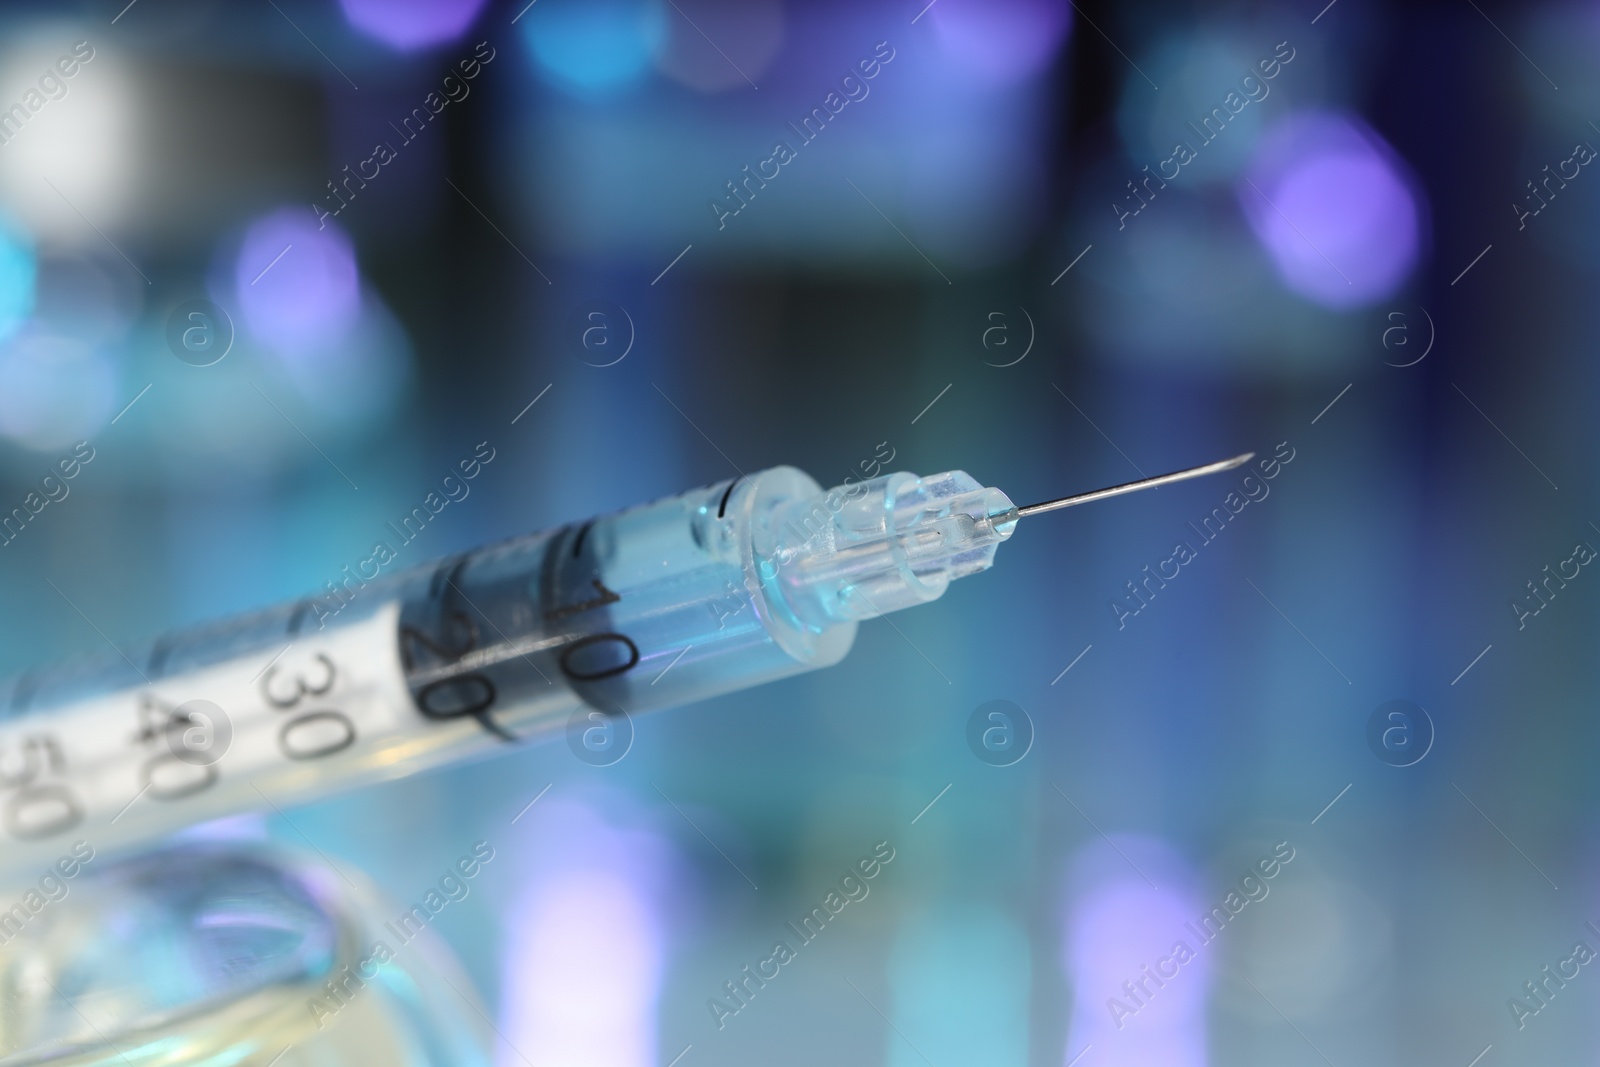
[[1134, 487]]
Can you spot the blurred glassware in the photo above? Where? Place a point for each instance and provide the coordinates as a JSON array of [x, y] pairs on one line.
[[211, 953]]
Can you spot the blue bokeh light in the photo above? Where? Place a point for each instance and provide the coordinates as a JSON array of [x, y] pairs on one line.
[[595, 46], [54, 390]]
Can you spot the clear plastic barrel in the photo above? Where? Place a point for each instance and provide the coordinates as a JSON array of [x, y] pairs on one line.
[[661, 604], [711, 591]]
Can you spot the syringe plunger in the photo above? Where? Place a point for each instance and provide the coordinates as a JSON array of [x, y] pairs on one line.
[[710, 591]]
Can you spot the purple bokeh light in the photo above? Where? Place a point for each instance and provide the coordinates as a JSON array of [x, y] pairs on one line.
[[407, 25], [1335, 207], [297, 286], [1121, 929], [1002, 41], [585, 949]]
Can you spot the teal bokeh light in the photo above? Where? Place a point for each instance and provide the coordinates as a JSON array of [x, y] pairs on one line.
[[19, 277], [594, 46]]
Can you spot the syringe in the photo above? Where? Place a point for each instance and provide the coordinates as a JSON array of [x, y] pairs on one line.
[[695, 595]]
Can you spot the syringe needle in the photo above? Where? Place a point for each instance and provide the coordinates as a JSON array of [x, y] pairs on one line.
[[510, 636], [1133, 487]]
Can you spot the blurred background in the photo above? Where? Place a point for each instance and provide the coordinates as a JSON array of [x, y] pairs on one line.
[[1055, 245]]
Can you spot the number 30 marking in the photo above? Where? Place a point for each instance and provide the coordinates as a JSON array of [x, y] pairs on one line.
[[301, 689], [316, 734]]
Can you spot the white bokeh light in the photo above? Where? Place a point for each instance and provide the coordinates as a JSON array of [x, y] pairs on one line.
[[65, 167]]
